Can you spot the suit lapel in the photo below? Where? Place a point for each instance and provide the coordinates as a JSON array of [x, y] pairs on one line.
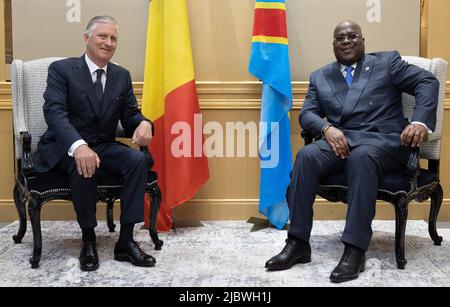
[[337, 82], [361, 76], [82, 71], [110, 82]]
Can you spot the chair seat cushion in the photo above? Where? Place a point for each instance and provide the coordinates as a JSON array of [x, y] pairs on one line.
[[56, 181], [393, 183]]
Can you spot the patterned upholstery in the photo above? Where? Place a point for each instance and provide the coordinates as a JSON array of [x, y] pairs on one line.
[[29, 80], [430, 149]]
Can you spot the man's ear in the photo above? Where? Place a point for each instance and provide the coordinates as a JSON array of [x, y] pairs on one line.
[[85, 37]]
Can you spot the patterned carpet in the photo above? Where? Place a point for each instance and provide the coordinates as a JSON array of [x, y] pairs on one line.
[[222, 254]]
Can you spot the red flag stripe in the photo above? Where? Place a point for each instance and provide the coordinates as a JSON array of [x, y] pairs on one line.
[[270, 22], [179, 108], [174, 179]]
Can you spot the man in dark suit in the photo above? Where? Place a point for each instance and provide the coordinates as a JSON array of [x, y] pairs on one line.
[[355, 105], [84, 100]]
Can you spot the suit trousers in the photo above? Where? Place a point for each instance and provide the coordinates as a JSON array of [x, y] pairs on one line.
[[117, 159], [363, 169]]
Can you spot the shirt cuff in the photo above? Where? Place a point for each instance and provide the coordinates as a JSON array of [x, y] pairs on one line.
[[151, 123], [74, 147], [422, 124]]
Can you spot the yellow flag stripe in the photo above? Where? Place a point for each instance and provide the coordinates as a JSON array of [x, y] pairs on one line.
[[168, 59], [270, 40], [270, 5]]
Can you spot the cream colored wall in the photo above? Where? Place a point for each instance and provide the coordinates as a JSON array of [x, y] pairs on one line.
[[232, 191], [438, 42], [221, 32]]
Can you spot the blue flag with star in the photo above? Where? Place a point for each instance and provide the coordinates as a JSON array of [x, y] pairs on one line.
[[269, 62]]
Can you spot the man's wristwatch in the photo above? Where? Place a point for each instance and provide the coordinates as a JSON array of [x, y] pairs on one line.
[[325, 128]]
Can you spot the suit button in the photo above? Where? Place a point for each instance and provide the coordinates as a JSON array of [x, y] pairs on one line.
[[371, 103]]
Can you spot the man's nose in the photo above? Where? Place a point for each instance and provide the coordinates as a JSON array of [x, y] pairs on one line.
[[346, 39]]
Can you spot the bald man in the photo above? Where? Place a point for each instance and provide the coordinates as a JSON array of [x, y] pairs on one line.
[[355, 106]]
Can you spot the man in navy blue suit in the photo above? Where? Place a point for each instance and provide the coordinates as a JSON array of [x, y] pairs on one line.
[[355, 105], [84, 100]]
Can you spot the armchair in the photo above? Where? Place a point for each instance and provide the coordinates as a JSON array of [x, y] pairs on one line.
[[414, 183], [35, 189]]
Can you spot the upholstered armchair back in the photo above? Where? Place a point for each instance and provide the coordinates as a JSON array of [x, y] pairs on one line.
[[438, 67], [28, 81]]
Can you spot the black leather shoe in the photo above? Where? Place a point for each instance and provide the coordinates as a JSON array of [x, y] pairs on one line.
[[89, 257], [352, 263], [131, 252], [294, 252]]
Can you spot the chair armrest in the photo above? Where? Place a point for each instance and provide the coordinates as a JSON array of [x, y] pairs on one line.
[[307, 137], [123, 133], [148, 156], [413, 167], [26, 165]]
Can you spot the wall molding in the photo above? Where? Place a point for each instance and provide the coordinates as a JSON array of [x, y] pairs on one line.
[[228, 209], [215, 95]]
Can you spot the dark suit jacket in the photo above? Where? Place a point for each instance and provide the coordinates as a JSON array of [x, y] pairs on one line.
[[370, 111], [72, 113]]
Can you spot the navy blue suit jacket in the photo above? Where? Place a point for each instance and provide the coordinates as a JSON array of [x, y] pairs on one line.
[[72, 112], [370, 110]]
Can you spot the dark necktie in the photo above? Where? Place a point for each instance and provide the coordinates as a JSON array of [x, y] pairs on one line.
[[349, 77], [99, 88]]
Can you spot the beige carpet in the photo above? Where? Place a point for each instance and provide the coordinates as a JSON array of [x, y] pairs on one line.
[[222, 254]]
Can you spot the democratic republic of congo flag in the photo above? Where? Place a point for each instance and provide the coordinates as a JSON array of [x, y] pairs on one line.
[[269, 62], [170, 101]]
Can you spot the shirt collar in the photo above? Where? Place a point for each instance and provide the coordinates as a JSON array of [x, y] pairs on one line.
[[345, 66], [92, 66]]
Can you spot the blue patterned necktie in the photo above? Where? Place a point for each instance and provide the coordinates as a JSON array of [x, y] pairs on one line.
[[349, 77]]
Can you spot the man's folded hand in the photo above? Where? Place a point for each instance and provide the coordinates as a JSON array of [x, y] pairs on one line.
[[413, 135], [143, 134], [87, 161], [337, 141]]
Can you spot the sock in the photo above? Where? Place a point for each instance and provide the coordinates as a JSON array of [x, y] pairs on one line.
[[126, 233], [297, 239], [88, 235], [361, 251]]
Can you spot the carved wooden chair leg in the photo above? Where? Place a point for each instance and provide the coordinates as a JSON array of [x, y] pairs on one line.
[[34, 211], [436, 201], [401, 217], [20, 206], [155, 199], [110, 215]]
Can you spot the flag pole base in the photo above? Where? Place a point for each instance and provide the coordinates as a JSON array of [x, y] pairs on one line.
[[260, 224]]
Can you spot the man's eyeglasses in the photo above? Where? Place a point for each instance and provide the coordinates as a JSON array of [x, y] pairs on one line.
[[351, 37]]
